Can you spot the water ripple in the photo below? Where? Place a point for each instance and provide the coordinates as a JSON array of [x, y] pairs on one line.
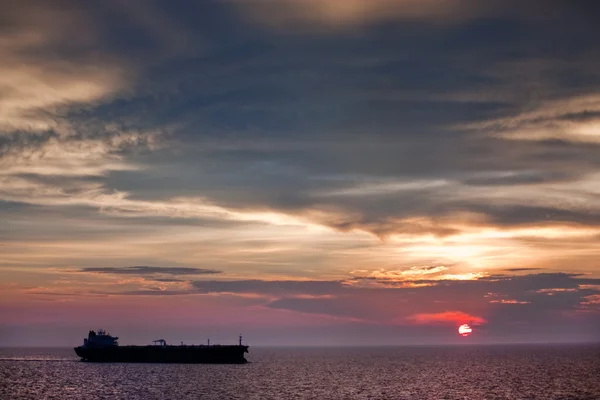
[[499, 372]]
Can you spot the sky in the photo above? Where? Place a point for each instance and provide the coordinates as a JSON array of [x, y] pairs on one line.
[[317, 172]]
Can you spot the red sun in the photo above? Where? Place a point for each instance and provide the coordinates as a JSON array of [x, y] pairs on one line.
[[464, 330]]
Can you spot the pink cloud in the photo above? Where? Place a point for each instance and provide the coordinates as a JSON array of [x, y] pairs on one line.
[[456, 317]]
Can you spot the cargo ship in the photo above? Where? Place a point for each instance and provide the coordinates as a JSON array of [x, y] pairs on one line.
[[102, 347]]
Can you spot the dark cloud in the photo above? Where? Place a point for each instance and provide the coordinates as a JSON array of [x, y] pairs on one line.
[[522, 178], [167, 280], [150, 292], [84, 223], [530, 215], [533, 294], [275, 288], [530, 302], [520, 269], [146, 270], [270, 116]]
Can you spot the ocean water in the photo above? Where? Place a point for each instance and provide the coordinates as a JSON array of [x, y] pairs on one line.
[[462, 372]]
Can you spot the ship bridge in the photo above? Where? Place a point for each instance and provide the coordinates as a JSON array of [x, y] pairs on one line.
[[100, 339]]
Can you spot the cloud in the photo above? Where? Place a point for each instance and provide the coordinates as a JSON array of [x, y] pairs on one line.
[[455, 317], [420, 274], [270, 288], [573, 119], [37, 78], [329, 178], [521, 269], [79, 157], [412, 273], [149, 292], [345, 14], [94, 194], [146, 270], [435, 301], [509, 301]]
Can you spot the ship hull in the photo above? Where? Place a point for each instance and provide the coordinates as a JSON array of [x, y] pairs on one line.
[[165, 354]]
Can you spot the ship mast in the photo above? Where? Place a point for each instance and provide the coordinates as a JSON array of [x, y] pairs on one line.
[[240, 340]]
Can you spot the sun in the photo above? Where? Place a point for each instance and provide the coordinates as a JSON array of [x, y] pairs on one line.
[[465, 330]]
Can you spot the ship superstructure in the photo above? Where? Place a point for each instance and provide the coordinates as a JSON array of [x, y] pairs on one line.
[[100, 339]]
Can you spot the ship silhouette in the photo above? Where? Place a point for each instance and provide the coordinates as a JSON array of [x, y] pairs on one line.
[[102, 347]]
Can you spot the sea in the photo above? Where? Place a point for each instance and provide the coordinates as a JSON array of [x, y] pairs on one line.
[[427, 372]]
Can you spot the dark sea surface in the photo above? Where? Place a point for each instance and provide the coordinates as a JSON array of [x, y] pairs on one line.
[[461, 372]]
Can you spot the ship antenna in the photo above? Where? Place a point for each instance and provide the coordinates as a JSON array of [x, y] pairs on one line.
[[240, 340]]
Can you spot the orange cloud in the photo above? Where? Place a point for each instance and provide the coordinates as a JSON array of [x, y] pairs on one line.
[[509, 301], [593, 299], [457, 317]]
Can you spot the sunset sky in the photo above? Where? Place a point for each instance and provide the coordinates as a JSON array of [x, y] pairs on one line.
[[303, 172]]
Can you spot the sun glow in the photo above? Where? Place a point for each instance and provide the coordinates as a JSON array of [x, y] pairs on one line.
[[464, 330]]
